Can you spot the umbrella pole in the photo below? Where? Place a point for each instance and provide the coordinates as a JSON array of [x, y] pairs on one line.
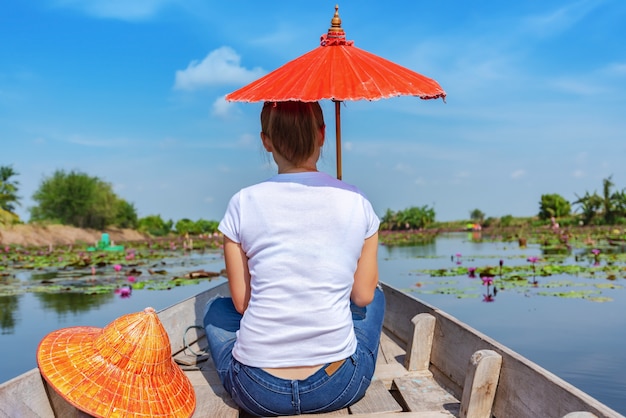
[[338, 136]]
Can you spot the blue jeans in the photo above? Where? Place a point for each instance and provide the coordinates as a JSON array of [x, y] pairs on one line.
[[261, 393]]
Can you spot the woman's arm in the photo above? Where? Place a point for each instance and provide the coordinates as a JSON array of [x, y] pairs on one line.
[[238, 274], [366, 275]]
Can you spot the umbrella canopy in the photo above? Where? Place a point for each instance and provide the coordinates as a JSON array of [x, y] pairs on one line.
[[338, 71]]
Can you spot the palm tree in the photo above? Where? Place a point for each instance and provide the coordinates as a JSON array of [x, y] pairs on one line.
[[590, 205], [607, 201], [8, 189], [619, 203]]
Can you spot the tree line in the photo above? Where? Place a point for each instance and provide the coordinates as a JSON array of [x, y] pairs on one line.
[[605, 208], [78, 199]]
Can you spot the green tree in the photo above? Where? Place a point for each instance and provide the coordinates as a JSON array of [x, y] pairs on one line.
[[185, 226], [206, 227], [8, 189], [506, 220], [201, 226], [155, 225], [553, 205], [125, 214], [411, 218], [76, 199], [477, 216]]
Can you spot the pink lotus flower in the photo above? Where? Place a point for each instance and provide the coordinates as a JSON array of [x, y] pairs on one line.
[[532, 259], [471, 272], [487, 280], [117, 267], [131, 279], [124, 291], [595, 251]]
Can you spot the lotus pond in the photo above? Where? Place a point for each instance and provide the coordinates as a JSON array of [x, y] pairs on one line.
[[561, 305]]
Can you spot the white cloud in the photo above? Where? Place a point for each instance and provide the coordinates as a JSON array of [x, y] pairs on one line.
[[617, 69], [404, 168], [97, 142], [578, 174], [221, 66], [518, 174], [116, 9], [248, 139], [562, 19], [221, 107], [581, 87]]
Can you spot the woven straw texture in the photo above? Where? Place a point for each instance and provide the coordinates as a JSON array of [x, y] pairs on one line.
[[122, 370]]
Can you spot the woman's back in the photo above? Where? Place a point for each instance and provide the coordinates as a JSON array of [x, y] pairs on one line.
[[303, 234]]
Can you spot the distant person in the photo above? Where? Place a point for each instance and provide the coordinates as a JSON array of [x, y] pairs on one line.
[[301, 331]]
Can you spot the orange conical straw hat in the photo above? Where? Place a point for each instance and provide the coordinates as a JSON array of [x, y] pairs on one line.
[[122, 370]]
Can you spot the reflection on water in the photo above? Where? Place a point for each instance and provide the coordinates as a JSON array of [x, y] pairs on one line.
[[72, 303], [8, 305]]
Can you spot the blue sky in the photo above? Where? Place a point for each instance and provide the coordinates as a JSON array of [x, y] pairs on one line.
[[133, 92]]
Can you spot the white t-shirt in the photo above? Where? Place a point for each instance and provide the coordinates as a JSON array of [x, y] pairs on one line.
[[303, 234]]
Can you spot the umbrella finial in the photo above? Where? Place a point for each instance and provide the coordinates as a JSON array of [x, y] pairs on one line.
[[335, 23], [335, 35]]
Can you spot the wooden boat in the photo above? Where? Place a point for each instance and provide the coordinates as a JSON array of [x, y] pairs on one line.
[[429, 365]]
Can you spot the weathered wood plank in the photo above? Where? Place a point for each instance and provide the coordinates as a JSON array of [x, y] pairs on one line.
[[480, 386], [420, 343], [377, 400], [212, 400], [392, 347], [525, 389], [423, 393], [25, 396], [387, 372]]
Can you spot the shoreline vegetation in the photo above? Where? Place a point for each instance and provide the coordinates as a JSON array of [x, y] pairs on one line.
[[521, 230]]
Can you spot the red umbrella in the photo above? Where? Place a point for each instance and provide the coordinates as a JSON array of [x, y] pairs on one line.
[[338, 71]]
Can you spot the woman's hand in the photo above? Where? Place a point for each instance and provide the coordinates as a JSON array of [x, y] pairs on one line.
[[237, 273], [366, 275]]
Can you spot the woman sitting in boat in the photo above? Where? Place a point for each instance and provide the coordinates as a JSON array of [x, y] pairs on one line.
[[300, 333]]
